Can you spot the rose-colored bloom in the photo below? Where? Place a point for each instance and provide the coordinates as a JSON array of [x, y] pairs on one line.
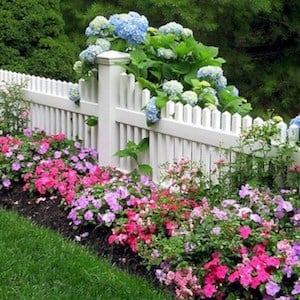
[[245, 232]]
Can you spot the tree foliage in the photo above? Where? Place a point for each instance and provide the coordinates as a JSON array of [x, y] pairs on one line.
[[32, 39]]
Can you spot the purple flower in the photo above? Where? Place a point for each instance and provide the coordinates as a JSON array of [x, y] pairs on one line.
[[296, 289], [88, 216], [272, 288], [6, 182], [256, 218], [228, 202], [27, 132], [109, 217], [74, 158], [220, 214], [189, 247], [160, 275], [20, 157], [97, 203], [245, 191], [122, 192], [57, 154], [77, 145], [16, 166], [111, 199], [216, 230]]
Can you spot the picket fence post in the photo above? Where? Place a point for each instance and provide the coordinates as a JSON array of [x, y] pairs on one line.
[[108, 98]]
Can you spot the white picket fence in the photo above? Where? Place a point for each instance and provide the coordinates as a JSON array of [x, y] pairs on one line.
[[118, 100]]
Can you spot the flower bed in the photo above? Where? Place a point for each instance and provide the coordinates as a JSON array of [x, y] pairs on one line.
[[241, 245]]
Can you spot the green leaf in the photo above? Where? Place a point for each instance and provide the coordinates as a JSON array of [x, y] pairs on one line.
[[91, 121], [161, 102], [147, 84], [145, 169], [137, 56], [143, 145]]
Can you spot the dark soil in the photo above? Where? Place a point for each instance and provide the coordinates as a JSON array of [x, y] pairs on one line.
[[50, 213]]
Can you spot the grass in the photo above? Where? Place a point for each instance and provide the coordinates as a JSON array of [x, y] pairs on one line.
[[36, 263]]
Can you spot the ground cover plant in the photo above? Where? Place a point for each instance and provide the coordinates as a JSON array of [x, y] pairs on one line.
[[201, 239]]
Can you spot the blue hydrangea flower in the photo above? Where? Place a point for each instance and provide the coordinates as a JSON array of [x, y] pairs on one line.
[[172, 87], [210, 72], [166, 53], [171, 28], [90, 53], [152, 112], [131, 27], [190, 97], [74, 95], [98, 26], [221, 82], [296, 121]]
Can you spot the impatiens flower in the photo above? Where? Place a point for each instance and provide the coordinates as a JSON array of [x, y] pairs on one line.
[[16, 166], [296, 289], [272, 288], [209, 290], [6, 182], [88, 215], [245, 232]]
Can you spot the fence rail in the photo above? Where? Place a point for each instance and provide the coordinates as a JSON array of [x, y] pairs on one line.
[[117, 100]]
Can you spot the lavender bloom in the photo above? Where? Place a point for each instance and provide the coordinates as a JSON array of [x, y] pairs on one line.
[[296, 289], [245, 191], [220, 214], [111, 200], [27, 132], [16, 166], [160, 275], [6, 182], [216, 230], [109, 217], [272, 288], [88, 216], [57, 154], [20, 157], [152, 112]]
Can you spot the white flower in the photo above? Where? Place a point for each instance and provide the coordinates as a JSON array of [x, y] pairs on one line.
[[190, 97], [166, 53], [187, 32], [172, 87], [98, 23], [77, 67]]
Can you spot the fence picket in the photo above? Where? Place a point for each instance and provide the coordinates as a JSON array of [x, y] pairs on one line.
[[186, 131]]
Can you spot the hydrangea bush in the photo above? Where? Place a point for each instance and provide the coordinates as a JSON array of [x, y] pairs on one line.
[[166, 60]]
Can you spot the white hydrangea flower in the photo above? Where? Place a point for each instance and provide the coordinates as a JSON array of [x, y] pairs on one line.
[[77, 67], [190, 97], [187, 32], [172, 87], [171, 28], [211, 72], [166, 53], [104, 44], [98, 23]]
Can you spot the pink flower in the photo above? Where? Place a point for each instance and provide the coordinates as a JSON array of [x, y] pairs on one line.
[[209, 290], [245, 232]]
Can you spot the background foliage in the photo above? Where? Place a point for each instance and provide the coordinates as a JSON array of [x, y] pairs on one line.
[[259, 39]]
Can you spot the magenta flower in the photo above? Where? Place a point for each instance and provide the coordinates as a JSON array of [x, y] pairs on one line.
[[27, 132], [245, 232]]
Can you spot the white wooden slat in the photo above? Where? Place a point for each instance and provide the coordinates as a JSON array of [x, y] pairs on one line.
[[93, 136], [130, 91], [226, 121], [123, 93], [153, 158], [283, 131], [236, 123], [258, 121], [87, 137], [69, 125], [137, 97], [206, 117], [122, 141], [246, 123], [52, 121], [216, 119], [145, 97]]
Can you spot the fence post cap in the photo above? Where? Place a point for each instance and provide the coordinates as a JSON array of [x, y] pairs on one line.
[[111, 57]]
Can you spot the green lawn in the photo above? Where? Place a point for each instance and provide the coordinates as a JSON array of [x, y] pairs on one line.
[[36, 263]]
